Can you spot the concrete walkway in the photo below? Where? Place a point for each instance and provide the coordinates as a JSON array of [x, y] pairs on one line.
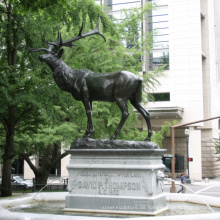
[[210, 187]]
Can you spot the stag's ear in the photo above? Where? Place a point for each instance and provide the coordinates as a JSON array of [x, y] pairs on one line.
[[60, 53]]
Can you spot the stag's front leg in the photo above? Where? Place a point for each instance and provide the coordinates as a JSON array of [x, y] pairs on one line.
[[88, 108]]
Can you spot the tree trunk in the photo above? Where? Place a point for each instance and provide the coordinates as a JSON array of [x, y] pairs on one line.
[[6, 178], [9, 123], [42, 176], [7, 161]]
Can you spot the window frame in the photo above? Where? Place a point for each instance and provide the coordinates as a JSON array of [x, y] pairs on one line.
[[160, 99]]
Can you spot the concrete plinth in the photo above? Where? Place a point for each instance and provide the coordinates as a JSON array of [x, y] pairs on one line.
[[120, 181]]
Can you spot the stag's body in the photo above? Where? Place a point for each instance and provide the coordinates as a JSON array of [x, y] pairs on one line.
[[87, 86]]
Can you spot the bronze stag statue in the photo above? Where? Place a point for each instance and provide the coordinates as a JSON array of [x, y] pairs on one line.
[[86, 86]]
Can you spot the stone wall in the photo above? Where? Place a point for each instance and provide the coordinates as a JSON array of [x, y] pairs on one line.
[[210, 162]]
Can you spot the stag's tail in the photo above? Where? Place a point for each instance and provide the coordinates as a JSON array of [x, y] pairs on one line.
[[137, 96]]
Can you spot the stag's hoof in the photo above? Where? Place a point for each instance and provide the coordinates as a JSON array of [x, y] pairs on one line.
[[148, 139], [113, 138], [87, 136]]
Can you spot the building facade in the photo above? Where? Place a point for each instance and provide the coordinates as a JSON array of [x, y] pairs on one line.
[[192, 82], [187, 39], [192, 79]]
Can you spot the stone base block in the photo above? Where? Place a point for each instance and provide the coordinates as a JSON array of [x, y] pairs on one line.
[[119, 205], [113, 180]]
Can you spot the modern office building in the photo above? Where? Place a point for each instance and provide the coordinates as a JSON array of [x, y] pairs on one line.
[[191, 90], [188, 41]]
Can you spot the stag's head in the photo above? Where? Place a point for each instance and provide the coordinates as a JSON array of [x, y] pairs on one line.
[[54, 51]]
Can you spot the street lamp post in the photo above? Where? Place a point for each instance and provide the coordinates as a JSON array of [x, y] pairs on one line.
[[187, 145]]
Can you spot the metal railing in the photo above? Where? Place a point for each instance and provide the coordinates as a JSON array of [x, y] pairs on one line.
[[50, 186]]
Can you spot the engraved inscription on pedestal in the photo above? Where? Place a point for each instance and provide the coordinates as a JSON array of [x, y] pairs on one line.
[[106, 182]]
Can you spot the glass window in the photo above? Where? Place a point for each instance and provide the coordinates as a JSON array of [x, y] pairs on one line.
[[159, 58], [161, 97], [157, 45], [160, 18], [155, 63], [119, 15], [160, 2], [160, 28], [123, 4], [160, 11], [162, 24], [162, 31], [160, 54], [122, 1], [161, 38]]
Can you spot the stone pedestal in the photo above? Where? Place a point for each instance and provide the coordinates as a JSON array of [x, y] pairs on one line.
[[109, 179]]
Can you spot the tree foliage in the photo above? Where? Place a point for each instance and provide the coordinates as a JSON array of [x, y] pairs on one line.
[[217, 147], [35, 114], [27, 90], [158, 136]]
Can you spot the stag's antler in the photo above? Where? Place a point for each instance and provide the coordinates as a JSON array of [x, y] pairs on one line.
[[68, 43], [51, 45]]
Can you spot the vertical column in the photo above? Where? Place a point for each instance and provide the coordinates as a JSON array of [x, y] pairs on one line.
[[64, 163], [195, 152]]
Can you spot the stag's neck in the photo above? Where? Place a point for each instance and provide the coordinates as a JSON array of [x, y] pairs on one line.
[[68, 79], [58, 64]]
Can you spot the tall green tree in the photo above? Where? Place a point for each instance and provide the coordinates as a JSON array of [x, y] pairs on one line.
[[46, 141], [28, 94], [24, 83]]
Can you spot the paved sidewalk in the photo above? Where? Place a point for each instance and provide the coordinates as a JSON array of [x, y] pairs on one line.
[[205, 182], [210, 187], [215, 181]]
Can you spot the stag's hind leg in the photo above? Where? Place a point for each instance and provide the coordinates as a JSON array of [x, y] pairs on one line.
[[136, 102], [123, 105], [146, 116]]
